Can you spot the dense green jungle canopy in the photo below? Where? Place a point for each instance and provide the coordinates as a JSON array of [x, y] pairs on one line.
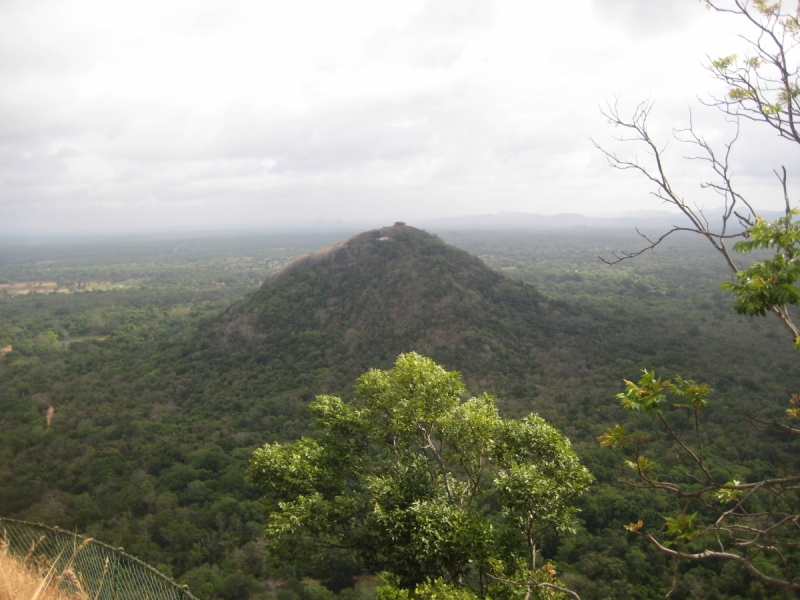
[[166, 364]]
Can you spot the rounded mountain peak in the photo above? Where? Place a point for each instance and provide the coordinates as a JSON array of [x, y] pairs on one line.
[[357, 248], [362, 301]]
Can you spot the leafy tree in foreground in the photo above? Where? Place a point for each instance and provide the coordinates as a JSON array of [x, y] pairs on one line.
[[756, 523], [444, 495]]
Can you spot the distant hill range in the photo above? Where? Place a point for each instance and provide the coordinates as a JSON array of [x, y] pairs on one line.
[[522, 220], [643, 219]]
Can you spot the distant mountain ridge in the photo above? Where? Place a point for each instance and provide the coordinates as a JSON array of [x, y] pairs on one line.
[[642, 219], [522, 220]]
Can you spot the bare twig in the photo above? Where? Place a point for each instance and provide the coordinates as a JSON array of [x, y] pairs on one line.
[[529, 584], [726, 557]]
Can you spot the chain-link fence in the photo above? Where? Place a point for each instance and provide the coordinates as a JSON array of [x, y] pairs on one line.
[[86, 566]]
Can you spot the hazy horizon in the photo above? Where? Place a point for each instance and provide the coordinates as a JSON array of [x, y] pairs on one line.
[[652, 221]]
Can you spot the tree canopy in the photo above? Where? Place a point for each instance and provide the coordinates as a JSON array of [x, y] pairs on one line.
[[436, 491]]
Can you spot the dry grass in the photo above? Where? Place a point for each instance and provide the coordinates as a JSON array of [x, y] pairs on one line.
[[26, 287], [23, 578]]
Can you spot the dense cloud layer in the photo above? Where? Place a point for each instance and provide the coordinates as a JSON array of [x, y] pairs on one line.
[[211, 113]]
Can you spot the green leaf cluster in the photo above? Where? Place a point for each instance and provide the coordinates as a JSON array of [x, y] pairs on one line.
[[416, 482], [651, 392], [770, 283]]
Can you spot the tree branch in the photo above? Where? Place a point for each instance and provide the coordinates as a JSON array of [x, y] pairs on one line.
[[529, 584], [727, 557]]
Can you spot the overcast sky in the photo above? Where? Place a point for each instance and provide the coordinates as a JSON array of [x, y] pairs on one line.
[[214, 114]]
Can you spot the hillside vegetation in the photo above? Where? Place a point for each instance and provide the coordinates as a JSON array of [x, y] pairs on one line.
[[329, 316], [163, 382]]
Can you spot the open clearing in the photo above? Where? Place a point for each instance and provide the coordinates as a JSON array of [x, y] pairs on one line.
[[48, 287]]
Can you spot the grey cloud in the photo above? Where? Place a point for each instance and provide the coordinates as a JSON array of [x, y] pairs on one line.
[[393, 47], [647, 17], [63, 43], [332, 138], [340, 138], [416, 153], [452, 17], [434, 38], [111, 139]]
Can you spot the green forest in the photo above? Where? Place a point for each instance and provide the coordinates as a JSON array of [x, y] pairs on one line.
[[520, 413], [128, 413]]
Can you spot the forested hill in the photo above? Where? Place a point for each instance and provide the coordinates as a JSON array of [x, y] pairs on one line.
[[356, 304]]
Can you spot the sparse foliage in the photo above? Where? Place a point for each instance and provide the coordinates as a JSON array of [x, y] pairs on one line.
[[762, 87], [755, 524]]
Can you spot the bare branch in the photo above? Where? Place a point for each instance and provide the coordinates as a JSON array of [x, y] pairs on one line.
[[550, 586], [664, 190], [727, 557]]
